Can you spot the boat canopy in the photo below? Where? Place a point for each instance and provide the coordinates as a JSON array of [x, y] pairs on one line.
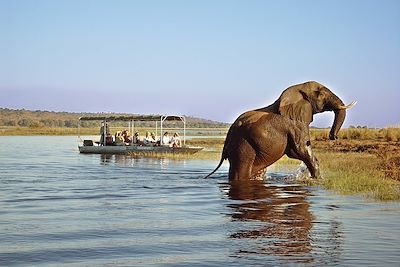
[[132, 118]]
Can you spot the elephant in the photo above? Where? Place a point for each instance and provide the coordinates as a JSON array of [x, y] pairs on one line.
[[301, 101], [260, 137]]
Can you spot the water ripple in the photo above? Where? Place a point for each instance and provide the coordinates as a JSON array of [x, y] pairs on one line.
[[60, 208]]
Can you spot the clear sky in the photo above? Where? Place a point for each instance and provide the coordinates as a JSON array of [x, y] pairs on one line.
[[210, 59]]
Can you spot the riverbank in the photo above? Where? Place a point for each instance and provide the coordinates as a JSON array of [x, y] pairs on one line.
[[351, 167], [65, 131]]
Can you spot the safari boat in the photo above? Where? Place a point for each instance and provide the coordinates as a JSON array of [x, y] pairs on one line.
[[138, 148]]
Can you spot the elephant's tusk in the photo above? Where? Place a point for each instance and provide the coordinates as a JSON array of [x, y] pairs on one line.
[[351, 105]]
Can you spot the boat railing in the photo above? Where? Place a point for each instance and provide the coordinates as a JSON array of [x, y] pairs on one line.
[[131, 119]]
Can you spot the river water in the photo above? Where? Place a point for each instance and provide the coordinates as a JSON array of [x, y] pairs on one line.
[[62, 208]]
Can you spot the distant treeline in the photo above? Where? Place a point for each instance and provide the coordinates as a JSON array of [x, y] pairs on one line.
[[39, 118]]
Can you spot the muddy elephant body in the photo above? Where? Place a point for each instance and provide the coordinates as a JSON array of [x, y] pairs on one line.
[[260, 137], [257, 139]]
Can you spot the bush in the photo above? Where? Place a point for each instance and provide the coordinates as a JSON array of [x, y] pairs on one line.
[[392, 134], [35, 125]]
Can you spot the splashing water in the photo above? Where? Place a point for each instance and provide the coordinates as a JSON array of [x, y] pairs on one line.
[[302, 172]]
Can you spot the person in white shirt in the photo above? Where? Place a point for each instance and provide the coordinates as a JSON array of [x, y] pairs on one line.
[[165, 139]]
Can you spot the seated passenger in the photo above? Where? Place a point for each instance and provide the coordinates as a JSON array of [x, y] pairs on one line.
[[153, 136], [166, 140], [176, 140], [127, 137], [148, 140], [137, 140], [119, 139]]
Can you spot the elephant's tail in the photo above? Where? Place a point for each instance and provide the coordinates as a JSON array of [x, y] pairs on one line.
[[219, 165], [224, 154], [226, 150]]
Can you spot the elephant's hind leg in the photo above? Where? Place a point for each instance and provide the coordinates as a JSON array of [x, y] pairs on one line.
[[241, 162]]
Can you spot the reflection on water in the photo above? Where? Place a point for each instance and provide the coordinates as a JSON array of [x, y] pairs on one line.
[[120, 160], [277, 221], [283, 210], [128, 161]]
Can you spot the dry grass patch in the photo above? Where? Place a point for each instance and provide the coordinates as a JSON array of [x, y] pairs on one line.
[[357, 173]]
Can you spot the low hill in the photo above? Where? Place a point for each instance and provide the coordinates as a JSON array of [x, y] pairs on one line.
[[39, 118]]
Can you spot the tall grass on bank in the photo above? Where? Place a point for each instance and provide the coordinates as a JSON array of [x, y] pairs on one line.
[[357, 173], [370, 175], [385, 134], [344, 173]]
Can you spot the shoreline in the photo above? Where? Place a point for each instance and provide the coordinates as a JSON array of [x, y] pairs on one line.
[[370, 168], [66, 131]]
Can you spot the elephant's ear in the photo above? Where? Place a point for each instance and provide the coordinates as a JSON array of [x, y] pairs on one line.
[[296, 107]]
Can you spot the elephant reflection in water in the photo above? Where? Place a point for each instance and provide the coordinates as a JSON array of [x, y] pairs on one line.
[[284, 223], [284, 210]]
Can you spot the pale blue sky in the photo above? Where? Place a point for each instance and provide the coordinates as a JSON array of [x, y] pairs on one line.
[[210, 59]]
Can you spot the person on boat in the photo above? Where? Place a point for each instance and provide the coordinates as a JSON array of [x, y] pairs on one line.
[[127, 137], [109, 140], [103, 133], [119, 139], [166, 140], [149, 140], [176, 140], [137, 140]]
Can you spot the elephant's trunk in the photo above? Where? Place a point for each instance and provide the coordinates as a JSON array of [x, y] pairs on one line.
[[340, 114]]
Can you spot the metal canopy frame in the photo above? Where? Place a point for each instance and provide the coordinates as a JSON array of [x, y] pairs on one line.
[[132, 118], [167, 117]]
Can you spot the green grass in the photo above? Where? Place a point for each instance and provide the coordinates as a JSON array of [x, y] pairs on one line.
[[359, 174]]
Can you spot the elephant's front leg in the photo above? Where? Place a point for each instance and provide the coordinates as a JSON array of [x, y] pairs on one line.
[[303, 152], [313, 161]]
